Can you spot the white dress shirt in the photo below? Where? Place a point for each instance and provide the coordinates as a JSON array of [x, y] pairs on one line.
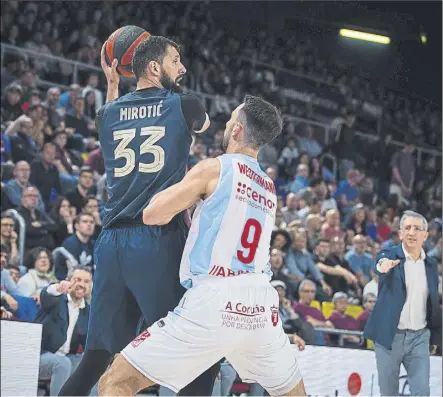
[[74, 312], [413, 315]]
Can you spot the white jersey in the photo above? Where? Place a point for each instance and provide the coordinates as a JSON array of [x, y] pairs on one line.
[[231, 230]]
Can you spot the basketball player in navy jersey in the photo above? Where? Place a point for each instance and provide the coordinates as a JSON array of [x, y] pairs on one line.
[[145, 137]]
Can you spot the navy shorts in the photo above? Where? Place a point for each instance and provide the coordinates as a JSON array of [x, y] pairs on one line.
[[136, 278]]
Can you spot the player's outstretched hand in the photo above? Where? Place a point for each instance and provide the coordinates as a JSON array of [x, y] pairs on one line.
[[110, 71], [65, 286]]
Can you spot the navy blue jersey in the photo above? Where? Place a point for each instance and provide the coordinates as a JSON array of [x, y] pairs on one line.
[[145, 137]]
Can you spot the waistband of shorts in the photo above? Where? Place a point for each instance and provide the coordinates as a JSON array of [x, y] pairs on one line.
[[239, 280]]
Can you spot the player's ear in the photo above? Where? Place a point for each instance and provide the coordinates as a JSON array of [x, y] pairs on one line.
[[237, 131], [154, 68]]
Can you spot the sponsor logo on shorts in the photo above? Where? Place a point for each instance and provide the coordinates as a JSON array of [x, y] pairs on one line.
[[220, 271], [274, 315], [241, 316], [160, 323], [141, 338]]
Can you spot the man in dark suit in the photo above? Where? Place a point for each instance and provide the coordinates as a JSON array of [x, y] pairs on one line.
[[64, 315], [406, 321]]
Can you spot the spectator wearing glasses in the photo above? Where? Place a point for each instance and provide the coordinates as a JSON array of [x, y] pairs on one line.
[[405, 324], [8, 237], [368, 304]]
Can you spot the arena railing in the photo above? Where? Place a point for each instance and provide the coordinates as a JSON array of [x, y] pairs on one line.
[[322, 131], [341, 333], [22, 231]]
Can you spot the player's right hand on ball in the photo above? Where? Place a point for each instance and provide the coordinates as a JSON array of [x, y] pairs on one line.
[[65, 286], [110, 71], [387, 264]]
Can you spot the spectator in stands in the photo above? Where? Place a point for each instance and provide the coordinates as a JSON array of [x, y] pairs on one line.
[[39, 275], [313, 208], [279, 183], [64, 162], [403, 173], [340, 320], [300, 264], [96, 162], [8, 237], [91, 86], [331, 228], [336, 270], [68, 98], [292, 323], [308, 143], [369, 300], [51, 104], [301, 180], [316, 170], [77, 196], [436, 252], [22, 145], [360, 262], [357, 220], [92, 207], [15, 272], [289, 154], [290, 212], [278, 268], [393, 240], [76, 120], [39, 227], [11, 103], [312, 315], [64, 316], [313, 226], [380, 155], [383, 227], [348, 194], [268, 156], [15, 187], [80, 246], [434, 230], [62, 214], [281, 240], [8, 285], [44, 174]]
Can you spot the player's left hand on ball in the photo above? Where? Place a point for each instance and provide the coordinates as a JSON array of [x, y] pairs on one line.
[[299, 342], [110, 71]]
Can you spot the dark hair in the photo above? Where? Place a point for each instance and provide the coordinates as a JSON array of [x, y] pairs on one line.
[[152, 49], [55, 212], [283, 233], [322, 240], [79, 267], [6, 216], [316, 181], [262, 121], [32, 257], [13, 267], [5, 248], [87, 198]]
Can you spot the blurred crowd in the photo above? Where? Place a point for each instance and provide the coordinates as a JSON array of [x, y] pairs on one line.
[[331, 221]]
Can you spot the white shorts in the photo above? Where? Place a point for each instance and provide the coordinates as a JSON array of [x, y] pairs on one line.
[[236, 318]]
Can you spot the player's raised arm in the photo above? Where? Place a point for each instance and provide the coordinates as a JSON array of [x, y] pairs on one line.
[[198, 183], [112, 77]]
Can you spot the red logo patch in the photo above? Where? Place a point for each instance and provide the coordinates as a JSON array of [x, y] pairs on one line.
[[274, 315], [139, 339]]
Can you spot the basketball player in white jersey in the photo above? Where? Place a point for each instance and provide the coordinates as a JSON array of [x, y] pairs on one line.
[[230, 309]]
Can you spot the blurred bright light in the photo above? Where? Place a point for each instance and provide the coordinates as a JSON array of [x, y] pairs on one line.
[[374, 38], [424, 39]]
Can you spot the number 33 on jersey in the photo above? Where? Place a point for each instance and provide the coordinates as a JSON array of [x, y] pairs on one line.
[[231, 229]]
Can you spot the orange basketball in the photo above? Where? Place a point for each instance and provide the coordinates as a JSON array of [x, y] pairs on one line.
[[121, 45]]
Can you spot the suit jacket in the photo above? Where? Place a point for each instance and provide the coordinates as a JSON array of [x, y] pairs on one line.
[[383, 322], [54, 316]]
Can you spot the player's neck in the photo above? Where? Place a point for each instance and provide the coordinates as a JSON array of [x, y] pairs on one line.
[[243, 150], [148, 83]]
